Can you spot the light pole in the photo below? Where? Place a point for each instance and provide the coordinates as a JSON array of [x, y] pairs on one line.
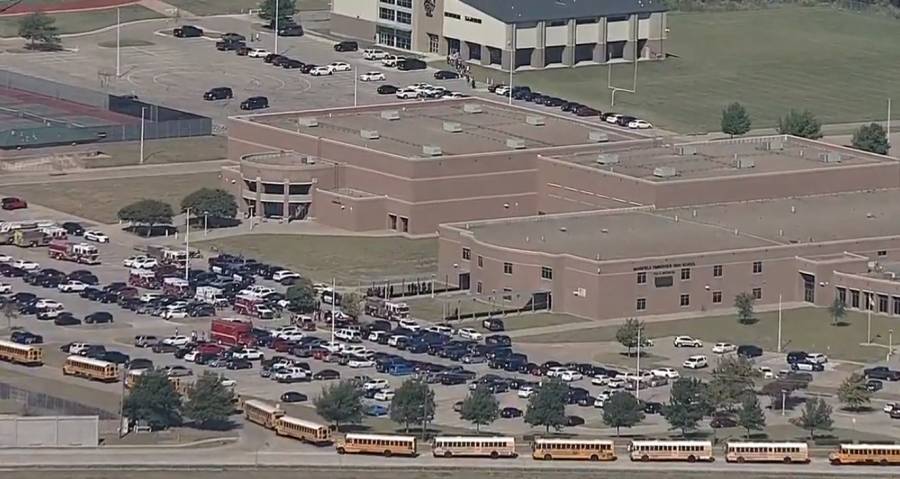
[[890, 344], [205, 222], [783, 400], [779, 322], [512, 63], [333, 302], [355, 89], [187, 243], [276, 25], [869, 307], [143, 109], [637, 384], [118, 43]]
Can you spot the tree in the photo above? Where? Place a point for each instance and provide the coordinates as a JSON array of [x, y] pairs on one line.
[[154, 401], [687, 404], [547, 406], [779, 391], [213, 202], [872, 138], [627, 334], [413, 403], [732, 378], [10, 311], [480, 407], [816, 415], [39, 29], [147, 212], [735, 120], [340, 403], [302, 296], [853, 393], [750, 415], [800, 123], [209, 402], [744, 304], [622, 410], [286, 9], [837, 310], [351, 304]]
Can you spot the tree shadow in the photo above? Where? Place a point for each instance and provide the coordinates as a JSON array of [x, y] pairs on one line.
[[225, 425], [748, 322], [151, 231], [44, 47], [841, 324]]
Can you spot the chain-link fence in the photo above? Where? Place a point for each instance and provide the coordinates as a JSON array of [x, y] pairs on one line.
[[45, 403]]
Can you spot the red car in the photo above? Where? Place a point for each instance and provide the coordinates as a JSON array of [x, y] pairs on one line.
[[12, 203]]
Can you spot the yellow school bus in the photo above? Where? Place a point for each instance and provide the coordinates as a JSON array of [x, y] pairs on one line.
[[576, 449], [786, 452], [690, 451], [386, 445], [866, 454], [93, 369], [262, 413], [473, 446], [26, 354], [306, 431]]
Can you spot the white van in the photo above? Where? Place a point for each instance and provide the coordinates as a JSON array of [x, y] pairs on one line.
[[371, 54], [349, 335]]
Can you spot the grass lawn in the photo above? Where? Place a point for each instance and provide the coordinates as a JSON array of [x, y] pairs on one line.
[[840, 65], [351, 260], [77, 22], [807, 329], [431, 309], [169, 150], [100, 200], [537, 320], [216, 7]]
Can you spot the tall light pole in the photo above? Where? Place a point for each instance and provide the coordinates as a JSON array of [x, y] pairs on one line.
[[333, 302], [637, 384], [779, 322], [187, 243], [276, 25], [869, 307], [355, 89], [890, 344], [205, 224], [118, 42], [143, 109]]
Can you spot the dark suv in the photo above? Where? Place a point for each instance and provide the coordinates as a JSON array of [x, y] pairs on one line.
[[255, 103], [12, 203], [749, 351], [188, 31], [348, 46], [219, 93], [882, 372]]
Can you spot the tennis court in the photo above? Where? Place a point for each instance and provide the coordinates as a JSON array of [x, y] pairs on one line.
[[20, 110]]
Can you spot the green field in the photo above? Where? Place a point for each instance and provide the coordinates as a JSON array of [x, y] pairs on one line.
[[218, 7], [840, 65], [163, 151], [806, 329], [78, 22], [352, 260]]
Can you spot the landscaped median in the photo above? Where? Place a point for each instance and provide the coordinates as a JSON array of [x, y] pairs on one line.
[[79, 22]]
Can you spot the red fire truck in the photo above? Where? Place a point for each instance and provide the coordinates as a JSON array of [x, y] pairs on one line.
[[143, 278], [176, 287], [253, 305], [76, 252], [233, 332]]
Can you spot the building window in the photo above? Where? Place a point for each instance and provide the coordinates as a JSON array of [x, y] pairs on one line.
[[467, 254], [404, 3], [882, 253], [452, 15], [757, 293], [757, 267], [685, 300], [585, 21], [507, 268], [546, 273], [842, 295], [663, 281], [557, 23], [717, 271], [507, 295], [389, 1], [386, 14], [404, 17], [392, 222], [642, 278], [896, 301], [404, 224], [854, 298], [479, 287], [641, 304], [717, 297], [869, 301], [473, 20], [685, 274], [404, 39], [434, 43], [882, 303]]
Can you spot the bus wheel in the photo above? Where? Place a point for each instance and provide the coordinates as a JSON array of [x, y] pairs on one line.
[[884, 462], [341, 450], [787, 460], [835, 462], [494, 455], [448, 454], [387, 453], [692, 458], [595, 457], [740, 459], [645, 458], [548, 457]]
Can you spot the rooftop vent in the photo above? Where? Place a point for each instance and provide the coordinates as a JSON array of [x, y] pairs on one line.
[[743, 163], [772, 145], [607, 159], [685, 150], [830, 157], [431, 150], [308, 122], [472, 108], [452, 127], [369, 134], [390, 115], [597, 136], [665, 172], [535, 120], [515, 143]]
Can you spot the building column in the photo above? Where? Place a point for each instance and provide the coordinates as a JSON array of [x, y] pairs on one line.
[[632, 43], [600, 46], [259, 204], [485, 55], [538, 60], [568, 57], [286, 202], [463, 51]]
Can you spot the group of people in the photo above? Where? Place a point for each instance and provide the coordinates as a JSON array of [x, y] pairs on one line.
[[464, 70]]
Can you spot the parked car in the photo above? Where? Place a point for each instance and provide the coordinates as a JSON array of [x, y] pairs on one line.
[[874, 385], [218, 93], [13, 203], [258, 53], [293, 396], [255, 103], [387, 90], [372, 76], [511, 412], [445, 75], [98, 236], [687, 342], [723, 348], [346, 46], [98, 317], [695, 362], [749, 351], [188, 31], [640, 124], [882, 372]]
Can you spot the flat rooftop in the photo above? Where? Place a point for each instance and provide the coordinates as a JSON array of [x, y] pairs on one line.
[[426, 123], [647, 233], [745, 156]]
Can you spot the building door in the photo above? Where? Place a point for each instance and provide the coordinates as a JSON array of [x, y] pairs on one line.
[[809, 287], [434, 43], [464, 281]]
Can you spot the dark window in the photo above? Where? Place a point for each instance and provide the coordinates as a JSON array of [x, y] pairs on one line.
[[466, 254], [882, 253], [583, 21], [546, 273], [896, 301], [299, 189], [685, 300], [473, 20], [479, 287], [557, 23], [273, 188], [717, 297], [251, 185], [842, 295], [404, 17], [392, 222], [685, 274], [388, 1], [757, 267], [617, 18], [480, 261], [507, 268], [642, 278], [404, 3], [452, 15], [507, 294], [664, 281], [757, 293], [641, 304], [882, 303], [386, 14], [717, 271], [854, 298]]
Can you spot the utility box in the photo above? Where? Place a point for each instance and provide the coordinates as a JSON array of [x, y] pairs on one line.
[[369, 134], [597, 136], [472, 108], [744, 163], [515, 143], [390, 115], [307, 122], [607, 159], [685, 150], [431, 150], [535, 120], [452, 127], [665, 172]]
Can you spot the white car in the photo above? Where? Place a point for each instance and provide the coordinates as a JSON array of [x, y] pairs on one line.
[[397, 339], [26, 265], [98, 236], [147, 297], [370, 54], [600, 380], [361, 363], [321, 71], [613, 118], [571, 375], [766, 372], [258, 53], [249, 354], [391, 60], [145, 263], [5, 288], [129, 261], [687, 342], [284, 274], [376, 384], [889, 407], [502, 90], [176, 340], [525, 392], [667, 373], [340, 66], [5, 258], [332, 346], [71, 287], [818, 358], [616, 383], [288, 375], [191, 356], [384, 395], [292, 336], [602, 397], [372, 76], [407, 94], [174, 313], [639, 124], [722, 348], [469, 333], [409, 325], [48, 304], [277, 332], [695, 362], [555, 371], [439, 329]]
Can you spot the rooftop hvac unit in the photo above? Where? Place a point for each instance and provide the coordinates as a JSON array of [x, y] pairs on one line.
[[431, 150], [743, 163], [607, 159], [308, 122], [472, 108], [535, 120], [771, 145], [686, 150], [830, 157], [390, 115], [515, 143], [369, 134], [665, 172], [596, 136], [452, 127]]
